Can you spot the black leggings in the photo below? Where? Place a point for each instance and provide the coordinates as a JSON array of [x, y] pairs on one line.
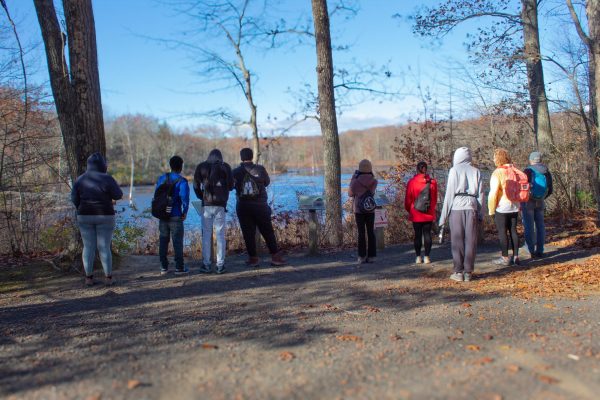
[[422, 233], [366, 222], [507, 232]]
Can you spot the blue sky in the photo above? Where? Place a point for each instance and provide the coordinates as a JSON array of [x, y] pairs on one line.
[[142, 75]]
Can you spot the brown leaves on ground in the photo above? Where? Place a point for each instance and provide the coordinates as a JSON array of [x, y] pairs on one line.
[[473, 347], [286, 356], [567, 280], [577, 231], [547, 379], [209, 346], [349, 338], [133, 383], [483, 361]]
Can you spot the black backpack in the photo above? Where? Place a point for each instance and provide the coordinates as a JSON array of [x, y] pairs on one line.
[[162, 202], [366, 201], [215, 185], [249, 189], [423, 200]]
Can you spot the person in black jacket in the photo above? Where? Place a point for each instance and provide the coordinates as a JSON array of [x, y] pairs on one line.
[[532, 212], [93, 194], [252, 209], [213, 180]]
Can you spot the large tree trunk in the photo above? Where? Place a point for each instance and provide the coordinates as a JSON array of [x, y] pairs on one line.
[[593, 17], [328, 121], [535, 77], [76, 87]]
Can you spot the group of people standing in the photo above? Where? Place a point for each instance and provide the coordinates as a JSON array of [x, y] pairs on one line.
[[95, 192]]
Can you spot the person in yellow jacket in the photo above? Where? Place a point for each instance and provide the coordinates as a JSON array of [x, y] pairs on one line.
[[504, 211]]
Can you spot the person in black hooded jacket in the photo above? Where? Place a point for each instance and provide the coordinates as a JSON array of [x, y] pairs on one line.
[[93, 194], [213, 181]]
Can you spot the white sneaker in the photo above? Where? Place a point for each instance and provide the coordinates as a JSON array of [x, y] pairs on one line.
[[426, 260], [418, 260]]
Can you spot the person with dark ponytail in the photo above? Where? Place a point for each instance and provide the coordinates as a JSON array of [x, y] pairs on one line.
[[420, 202]]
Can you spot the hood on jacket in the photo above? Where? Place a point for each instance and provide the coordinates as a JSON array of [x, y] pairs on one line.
[[462, 155], [96, 162], [539, 167], [214, 156]]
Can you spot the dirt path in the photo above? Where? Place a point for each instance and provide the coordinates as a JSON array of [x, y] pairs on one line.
[[319, 328]]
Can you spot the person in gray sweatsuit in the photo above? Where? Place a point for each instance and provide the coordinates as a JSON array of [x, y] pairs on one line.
[[463, 210]]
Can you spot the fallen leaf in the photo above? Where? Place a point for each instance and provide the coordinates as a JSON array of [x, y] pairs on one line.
[[473, 347], [550, 306], [349, 338], [482, 361], [488, 337], [133, 383], [372, 309], [547, 379], [286, 356], [513, 368], [466, 305], [573, 357], [209, 346], [396, 337], [95, 397]]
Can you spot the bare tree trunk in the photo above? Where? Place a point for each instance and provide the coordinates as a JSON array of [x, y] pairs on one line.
[[250, 99], [535, 76], [76, 86], [593, 16], [328, 121]]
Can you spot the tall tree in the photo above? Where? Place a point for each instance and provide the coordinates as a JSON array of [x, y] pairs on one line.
[[501, 37], [76, 84], [328, 121]]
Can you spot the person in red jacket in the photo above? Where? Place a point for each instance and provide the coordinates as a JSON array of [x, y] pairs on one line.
[[422, 219]]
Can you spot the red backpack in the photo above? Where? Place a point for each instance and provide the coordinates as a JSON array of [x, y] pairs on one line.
[[517, 186]]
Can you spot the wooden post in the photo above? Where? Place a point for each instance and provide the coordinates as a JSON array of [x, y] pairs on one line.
[[313, 233], [380, 234]]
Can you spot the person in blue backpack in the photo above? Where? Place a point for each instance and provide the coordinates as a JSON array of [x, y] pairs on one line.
[[172, 227], [532, 212]]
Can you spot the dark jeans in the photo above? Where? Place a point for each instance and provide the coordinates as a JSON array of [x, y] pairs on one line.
[[422, 233], [252, 216], [366, 222], [171, 228], [507, 232]]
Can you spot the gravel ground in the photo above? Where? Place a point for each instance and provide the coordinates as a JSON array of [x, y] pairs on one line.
[[318, 328]]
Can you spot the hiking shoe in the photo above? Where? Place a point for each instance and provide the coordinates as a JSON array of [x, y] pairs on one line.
[[205, 269], [457, 276], [418, 260], [426, 260], [502, 261], [163, 271], [467, 276], [220, 269], [108, 281], [277, 260], [361, 260], [371, 260], [253, 262], [516, 261], [182, 271], [89, 281]]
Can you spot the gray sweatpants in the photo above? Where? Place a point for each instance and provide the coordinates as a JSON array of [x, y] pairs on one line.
[[463, 235]]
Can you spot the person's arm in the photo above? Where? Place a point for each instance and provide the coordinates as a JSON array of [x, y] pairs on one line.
[[408, 198], [115, 190], [494, 192], [266, 177], [373, 186], [433, 197], [75, 198], [350, 186], [197, 185], [549, 183], [529, 174], [449, 196], [480, 196], [184, 195], [230, 181]]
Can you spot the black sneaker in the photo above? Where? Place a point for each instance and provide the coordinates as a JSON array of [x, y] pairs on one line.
[[220, 269], [183, 271], [205, 269], [164, 271]]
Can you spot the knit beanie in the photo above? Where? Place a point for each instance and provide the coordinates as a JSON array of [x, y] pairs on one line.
[[365, 166], [535, 157]]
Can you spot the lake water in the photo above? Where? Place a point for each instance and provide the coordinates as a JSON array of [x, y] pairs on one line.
[[283, 195]]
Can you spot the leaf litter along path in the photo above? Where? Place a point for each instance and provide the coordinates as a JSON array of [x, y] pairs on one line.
[[319, 328]]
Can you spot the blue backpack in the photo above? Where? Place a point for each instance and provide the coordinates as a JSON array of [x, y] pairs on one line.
[[539, 185]]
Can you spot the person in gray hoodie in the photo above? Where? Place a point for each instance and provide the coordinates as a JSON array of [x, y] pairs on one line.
[[463, 210]]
